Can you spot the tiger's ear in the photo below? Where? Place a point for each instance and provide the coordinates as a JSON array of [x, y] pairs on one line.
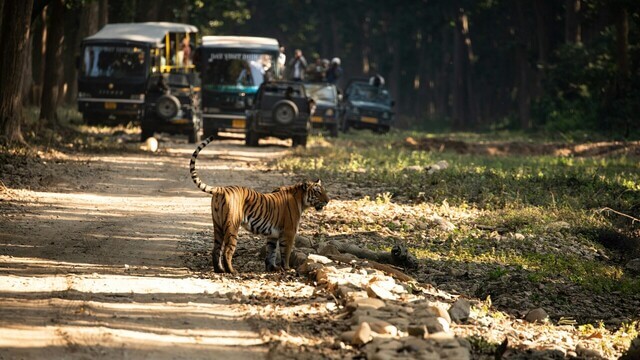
[[318, 182]]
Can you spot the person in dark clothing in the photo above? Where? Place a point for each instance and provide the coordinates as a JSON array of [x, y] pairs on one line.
[[335, 71], [297, 66]]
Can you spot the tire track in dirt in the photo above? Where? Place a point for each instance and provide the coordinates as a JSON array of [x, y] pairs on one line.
[[93, 268]]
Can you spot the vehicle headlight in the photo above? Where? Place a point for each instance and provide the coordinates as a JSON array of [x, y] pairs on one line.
[[385, 115], [137, 97], [84, 95], [329, 112]]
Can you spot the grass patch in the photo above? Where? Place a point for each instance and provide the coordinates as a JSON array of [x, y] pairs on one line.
[[536, 214]]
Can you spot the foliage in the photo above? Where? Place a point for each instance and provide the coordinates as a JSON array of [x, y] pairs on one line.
[[511, 214]]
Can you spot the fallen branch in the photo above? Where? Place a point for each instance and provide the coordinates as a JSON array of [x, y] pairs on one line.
[[633, 219]]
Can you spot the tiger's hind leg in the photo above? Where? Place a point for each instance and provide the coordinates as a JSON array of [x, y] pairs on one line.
[[230, 243], [218, 240], [289, 240]]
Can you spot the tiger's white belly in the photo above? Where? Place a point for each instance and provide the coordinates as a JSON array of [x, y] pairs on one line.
[[260, 228]]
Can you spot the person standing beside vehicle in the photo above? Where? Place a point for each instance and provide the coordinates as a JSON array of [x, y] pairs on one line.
[[335, 71], [297, 66]]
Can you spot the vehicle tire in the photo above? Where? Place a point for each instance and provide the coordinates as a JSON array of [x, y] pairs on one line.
[[299, 140], [333, 130], [285, 112], [167, 106], [251, 138]]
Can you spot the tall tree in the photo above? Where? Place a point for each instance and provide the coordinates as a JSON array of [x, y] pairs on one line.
[[14, 39], [572, 30], [53, 62]]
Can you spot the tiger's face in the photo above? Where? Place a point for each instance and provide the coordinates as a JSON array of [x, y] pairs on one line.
[[316, 195]]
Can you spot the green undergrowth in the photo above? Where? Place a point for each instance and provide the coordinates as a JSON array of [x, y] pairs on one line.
[[544, 216]]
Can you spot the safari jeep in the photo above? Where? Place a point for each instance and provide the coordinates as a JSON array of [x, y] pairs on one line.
[[281, 109], [367, 106], [172, 106]]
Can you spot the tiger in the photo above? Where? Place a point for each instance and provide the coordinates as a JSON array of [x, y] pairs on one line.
[[276, 215]]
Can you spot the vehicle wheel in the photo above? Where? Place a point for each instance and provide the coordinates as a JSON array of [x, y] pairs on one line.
[[333, 130], [285, 112], [251, 138], [167, 106], [299, 140]]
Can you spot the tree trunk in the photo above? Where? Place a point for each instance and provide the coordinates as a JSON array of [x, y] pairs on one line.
[[572, 22], [53, 62], [103, 13], [463, 102], [523, 77], [14, 41], [622, 42]]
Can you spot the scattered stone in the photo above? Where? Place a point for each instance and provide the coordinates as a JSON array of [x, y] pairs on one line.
[[458, 353], [362, 334], [366, 303], [584, 352], [297, 258], [303, 242], [558, 225], [347, 336], [151, 144], [460, 311], [384, 328], [377, 290], [401, 323], [537, 315], [322, 274], [327, 249], [440, 312], [518, 237], [418, 331], [319, 259], [633, 266], [308, 267]]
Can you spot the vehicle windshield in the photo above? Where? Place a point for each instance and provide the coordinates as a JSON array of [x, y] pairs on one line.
[[321, 92], [236, 69], [114, 61], [369, 93]]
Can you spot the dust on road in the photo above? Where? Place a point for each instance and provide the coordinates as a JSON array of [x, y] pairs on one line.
[[92, 260]]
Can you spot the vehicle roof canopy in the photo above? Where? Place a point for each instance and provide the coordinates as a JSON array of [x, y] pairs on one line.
[[152, 33], [244, 42]]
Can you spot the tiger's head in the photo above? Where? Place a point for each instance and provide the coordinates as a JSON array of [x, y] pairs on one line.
[[314, 195]]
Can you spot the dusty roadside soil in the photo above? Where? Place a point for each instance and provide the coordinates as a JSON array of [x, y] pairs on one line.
[[95, 256]]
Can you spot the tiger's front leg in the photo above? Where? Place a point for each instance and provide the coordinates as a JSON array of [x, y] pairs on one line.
[[285, 251], [270, 259]]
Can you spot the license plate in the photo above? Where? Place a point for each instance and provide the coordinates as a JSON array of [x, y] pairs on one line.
[[370, 120], [316, 119], [110, 105], [180, 121], [237, 123]]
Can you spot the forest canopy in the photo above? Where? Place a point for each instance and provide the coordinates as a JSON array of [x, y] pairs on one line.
[[450, 65]]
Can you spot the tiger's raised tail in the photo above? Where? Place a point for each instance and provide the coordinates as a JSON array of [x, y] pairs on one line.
[[192, 166]]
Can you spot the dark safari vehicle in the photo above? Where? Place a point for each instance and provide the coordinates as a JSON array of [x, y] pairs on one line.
[[232, 68], [282, 109], [172, 105], [327, 114], [117, 61], [367, 106]]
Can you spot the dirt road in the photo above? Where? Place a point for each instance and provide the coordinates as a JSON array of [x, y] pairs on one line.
[[93, 260]]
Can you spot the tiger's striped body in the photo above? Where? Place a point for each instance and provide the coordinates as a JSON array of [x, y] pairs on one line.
[[276, 215]]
